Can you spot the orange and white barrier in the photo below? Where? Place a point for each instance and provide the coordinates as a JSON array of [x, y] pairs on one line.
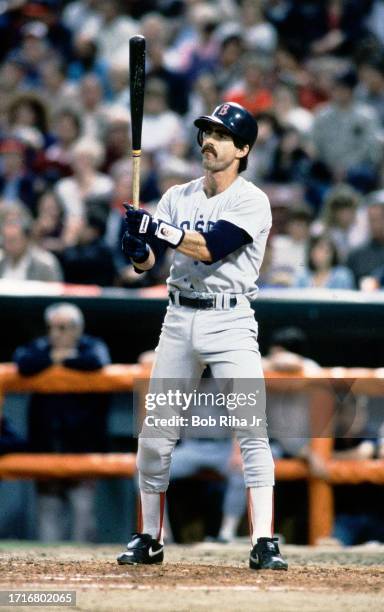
[[120, 378]]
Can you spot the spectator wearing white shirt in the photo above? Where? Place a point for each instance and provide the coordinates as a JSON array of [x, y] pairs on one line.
[[289, 250], [163, 132], [87, 156], [20, 260], [115, 31]]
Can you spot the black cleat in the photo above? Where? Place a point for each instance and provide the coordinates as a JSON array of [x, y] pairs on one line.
[[142, 548], [266, 555]]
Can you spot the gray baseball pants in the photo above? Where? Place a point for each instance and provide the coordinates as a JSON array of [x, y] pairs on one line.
[[190, 339]]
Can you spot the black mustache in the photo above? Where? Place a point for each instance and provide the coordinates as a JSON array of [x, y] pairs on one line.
[[209, 148]]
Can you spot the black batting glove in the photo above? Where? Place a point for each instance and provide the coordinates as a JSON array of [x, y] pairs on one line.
[[141, 224], [135, 248]]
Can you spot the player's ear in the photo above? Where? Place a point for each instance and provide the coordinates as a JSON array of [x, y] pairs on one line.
[[242, 151]]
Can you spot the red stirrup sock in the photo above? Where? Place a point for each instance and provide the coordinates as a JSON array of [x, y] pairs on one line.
[[260, 512]]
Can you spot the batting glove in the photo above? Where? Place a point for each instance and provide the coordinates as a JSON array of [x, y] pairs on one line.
[[135, 248], [141, 224]]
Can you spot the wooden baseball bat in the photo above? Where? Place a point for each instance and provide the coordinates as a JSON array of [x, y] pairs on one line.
[[136, 85]]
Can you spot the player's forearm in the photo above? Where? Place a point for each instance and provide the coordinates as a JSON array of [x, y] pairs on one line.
[[147, 264], [194, 245]]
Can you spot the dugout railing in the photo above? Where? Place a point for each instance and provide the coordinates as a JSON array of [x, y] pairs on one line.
[[121, 378]]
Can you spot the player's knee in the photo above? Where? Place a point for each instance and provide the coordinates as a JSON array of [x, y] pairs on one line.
[[153, 456], [258, 462]]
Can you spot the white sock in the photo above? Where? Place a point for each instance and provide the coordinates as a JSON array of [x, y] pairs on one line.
[[152, 511], [260, 504], [229, 526]]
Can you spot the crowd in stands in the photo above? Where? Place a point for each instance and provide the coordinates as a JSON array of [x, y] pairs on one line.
[[311, 72]]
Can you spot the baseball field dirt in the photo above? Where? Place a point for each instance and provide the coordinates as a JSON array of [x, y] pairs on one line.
[[199, 577]]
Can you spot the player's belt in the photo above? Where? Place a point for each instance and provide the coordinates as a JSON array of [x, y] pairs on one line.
[[219, 301]]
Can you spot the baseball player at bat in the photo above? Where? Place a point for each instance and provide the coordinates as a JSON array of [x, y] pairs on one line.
[[218, 226]]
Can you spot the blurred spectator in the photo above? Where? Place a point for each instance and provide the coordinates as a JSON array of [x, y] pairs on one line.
[[343, 220], [82, 16], [354, 156], [288, 111], [259, 34], [34, 50], [117, 137], [48, 226], [12, 74], [163, 132], [114, 31], [57, 34], [200, 55], [91, 107], [29, 110], [315, 82], [371, 89], [155, 28], [252, 92], [177, 86], [323, 269], [55, 87], [65, 423], [230, 55], [364, 260], [57, 161], [20, 259], [289, 251], [86, 182], [85, 60], [290, 162], [118, 84], [17, 182], [90, 261]]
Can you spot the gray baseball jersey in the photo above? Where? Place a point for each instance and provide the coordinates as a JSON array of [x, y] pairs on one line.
[[242, 204]]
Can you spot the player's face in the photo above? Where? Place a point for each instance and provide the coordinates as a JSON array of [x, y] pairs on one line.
[[218, 149]]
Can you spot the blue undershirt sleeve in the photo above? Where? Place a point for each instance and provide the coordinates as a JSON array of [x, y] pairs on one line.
[[223, 239]]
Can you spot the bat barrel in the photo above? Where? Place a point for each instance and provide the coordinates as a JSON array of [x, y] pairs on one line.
[[137, 84]]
